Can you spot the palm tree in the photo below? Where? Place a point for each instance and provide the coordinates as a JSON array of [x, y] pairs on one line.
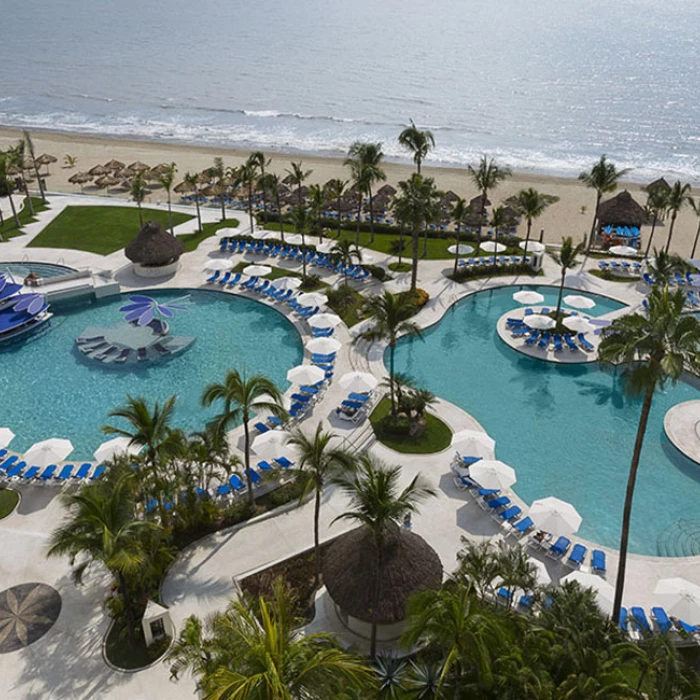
[[138, 193], [298, 175], [318, 463], [656, 346], [7, 186], [100, 528], [253, 651], [70, 161], [566, 259], [166, 179], [302, 223], [531, 204], [487, 176], [678, 197], [32, 157], [243, 397], [696, 208], [377, 504], [663, 266], [335, 189], [418, 141], [260, 161], [316, 201], [16, 159], [417, 204], [460, 213], [347, 253], [365, 160], [270, 183], [247, 177], [390, 314], [192, 180], [603, 177], [657, 205], [499, 220]]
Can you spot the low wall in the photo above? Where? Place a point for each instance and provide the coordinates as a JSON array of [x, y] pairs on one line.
[[151, 272]]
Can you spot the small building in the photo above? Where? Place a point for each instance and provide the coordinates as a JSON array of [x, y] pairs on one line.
[[156, 623], [349, 569], [154, 251], [620, 219]]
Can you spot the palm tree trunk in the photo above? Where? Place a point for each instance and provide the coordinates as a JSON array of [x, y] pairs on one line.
[[29, 199], [414, 270], [264, 196], [457, 251], [527, 240], [128, 605], [371, 217], [223, 207], [561, 292], [170, 214], [199, 215], [250, 207], [14, 211], [495, 244], [39, 181], [400, 242], [651, 235], [629, 495], [279, 212], [303, 254], [391, 379], [246, 457], [670, 230], [595, 218], [695, 242], [138, 204], [317, 543], [375, 602], [425, 240], [359, 217], [418, 162], [482, 211], [340, 216]]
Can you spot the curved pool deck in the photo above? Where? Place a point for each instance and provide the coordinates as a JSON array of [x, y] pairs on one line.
[[682, 426]]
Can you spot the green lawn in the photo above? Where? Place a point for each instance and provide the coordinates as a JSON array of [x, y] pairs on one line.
[[99, 229], [607, 275], [192, 240], [8, 502], [437, 435], [9, 230]]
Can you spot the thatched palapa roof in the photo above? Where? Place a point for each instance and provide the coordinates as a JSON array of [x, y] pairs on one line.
[[621, 210], [349, 569], [153, 246], [659, 184]]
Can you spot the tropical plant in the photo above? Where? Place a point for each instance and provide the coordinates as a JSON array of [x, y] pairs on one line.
[[531, 204], [460, 214], [347, 253], [166, 179], [655, 348], [318, 463], [696, 208], [16, 158], [566, 258], [377, 504], [390, 314], [487, 176], [417, 141], [298, 176], [270, 183], [247, 176], [261, 162], [335, 189], [498, 221], [192, 181], [138, 192], [603, 177], [302, 223], [70, 161], [32, 158], [678, 197], [664, 266], [253, 651], [478, 565], [242, 397], [316, 201], [657, 205], [7, 186], [364, 160]]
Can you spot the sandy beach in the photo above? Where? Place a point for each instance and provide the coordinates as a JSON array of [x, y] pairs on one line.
[[566, 217]]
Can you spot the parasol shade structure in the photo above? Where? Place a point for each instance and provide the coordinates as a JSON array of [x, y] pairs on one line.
[[139, 167], [288, 283], [492, 474], [323, 346], [623, 250], [257, 270], [325, 320], [532, 246], [358, 382], [539, 322], [305, 374], [577, 301], [527, 296], [153, 246], [681, 598], [114, 165], [80, 178], [116, 446], [461, 249], [214, 265], [605, 593], [312, 299], [98, 170], [46, 452], [271, 444], [492, 247], [578, 324], [554, 515], [473, 443], [294, 239], [6, 437]]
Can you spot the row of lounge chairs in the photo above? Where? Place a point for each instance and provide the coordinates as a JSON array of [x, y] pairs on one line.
[[559, 549], [573, 342], [354, 407], [677, 279], [622, 266], [486, 261], [636, 623], [13, 468]]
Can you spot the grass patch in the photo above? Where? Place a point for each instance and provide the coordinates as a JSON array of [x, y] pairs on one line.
[[8, 502], [400, 267], [9, 229], [347, 303], [99, 229], [192, 240], [609, 277], [131, 655], [436, 437]]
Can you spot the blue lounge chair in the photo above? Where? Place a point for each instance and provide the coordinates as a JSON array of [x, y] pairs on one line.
[[504, 595], [486, 493], [234, 280], [16, 470], [584, 343], [99, 471], [48, 472], [225, 279], [223, 490], [544, 340], [507, 515], [578, 554], [598, 562], [559, 548], [568, 339], [261, 428], [526, 601], [214, 277], [265, 466], [622, 620], [521, 331], [361, 398], [523, 526], [9, 462], [532, 338], [283, 462], [236, 484], [688, 629], [65, 472], [662, 619], [500, 502], [31, 472], [2, 453], [558, 347], [640, 619], [255, 478], [275, 422], [83, 471]]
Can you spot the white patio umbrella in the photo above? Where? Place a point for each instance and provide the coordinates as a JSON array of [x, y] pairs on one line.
[[623, 250], [312, 299], [543, 577], [228, 232], [578, 324], [492, 474], [579, 302], [287, 283], [605, 593], [257, 270], [473, 443], [118, 445], [695, 280], [46, 452], [305, 374], [532, 246], [6, 437], [555, 516], [219, 264], [293, 239], [271, 444], [325, 321], [323, 345], [526, 296], [358, 382], [492, 247], [538, 321], [461, 249], [681, 598], [262, 234], [325, 247]]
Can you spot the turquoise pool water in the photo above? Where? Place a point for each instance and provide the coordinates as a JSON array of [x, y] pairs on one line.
[[567, 430], [20, 270], [48, 389]]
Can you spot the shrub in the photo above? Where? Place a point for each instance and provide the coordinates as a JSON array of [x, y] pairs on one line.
[[310, 283], [467, 273], [340, 296], [396, 425], [379, 273]]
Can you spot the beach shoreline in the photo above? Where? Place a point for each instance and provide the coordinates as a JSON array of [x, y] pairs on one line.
[[571, 215]]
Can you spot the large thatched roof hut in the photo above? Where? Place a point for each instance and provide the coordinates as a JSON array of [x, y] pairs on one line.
[[349, 568], [621, 210], [154, 249]]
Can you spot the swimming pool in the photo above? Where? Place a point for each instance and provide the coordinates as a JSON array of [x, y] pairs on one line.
[[568, 430], [48, 389], [20, 270]]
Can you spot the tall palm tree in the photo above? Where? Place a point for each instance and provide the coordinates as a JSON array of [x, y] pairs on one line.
[[460, 213], [678, 197], [261, 162], [166, 179], [100, 528], [253, 651], [192, 180], [656, 347], [298, 176], [498, 221], [603, 177], [566, 258], [316, 202], [138, 191], [302, 223], [318, 464], [417, 204], [347, 253], [390, 314], [377, 504], [270, 183], [247, 176], [531, 204], [418, 141], [696, 208], [7, 186], [657, 205], [663, 266], [242, 397], [335, 189], [32, 157], [365, 161], [16, 159], [487, 176]]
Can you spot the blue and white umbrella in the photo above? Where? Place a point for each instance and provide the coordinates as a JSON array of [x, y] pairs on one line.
[[142, 309]]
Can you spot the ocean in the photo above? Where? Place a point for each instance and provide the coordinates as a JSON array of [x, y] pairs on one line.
[[545, 87]]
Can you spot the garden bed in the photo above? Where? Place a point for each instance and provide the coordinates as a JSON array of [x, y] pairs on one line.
[[132, 655], [8, 502]]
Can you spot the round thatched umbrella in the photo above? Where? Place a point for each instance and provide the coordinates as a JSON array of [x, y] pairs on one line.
[[46, 159], [98, 171], [139, 167], [114, 165], [349, 569], [128, 172], [154, 247], [80, 178], [14, 170], [182, 187], [107, 181], [161, 168], [288, 180], [386, 190]]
